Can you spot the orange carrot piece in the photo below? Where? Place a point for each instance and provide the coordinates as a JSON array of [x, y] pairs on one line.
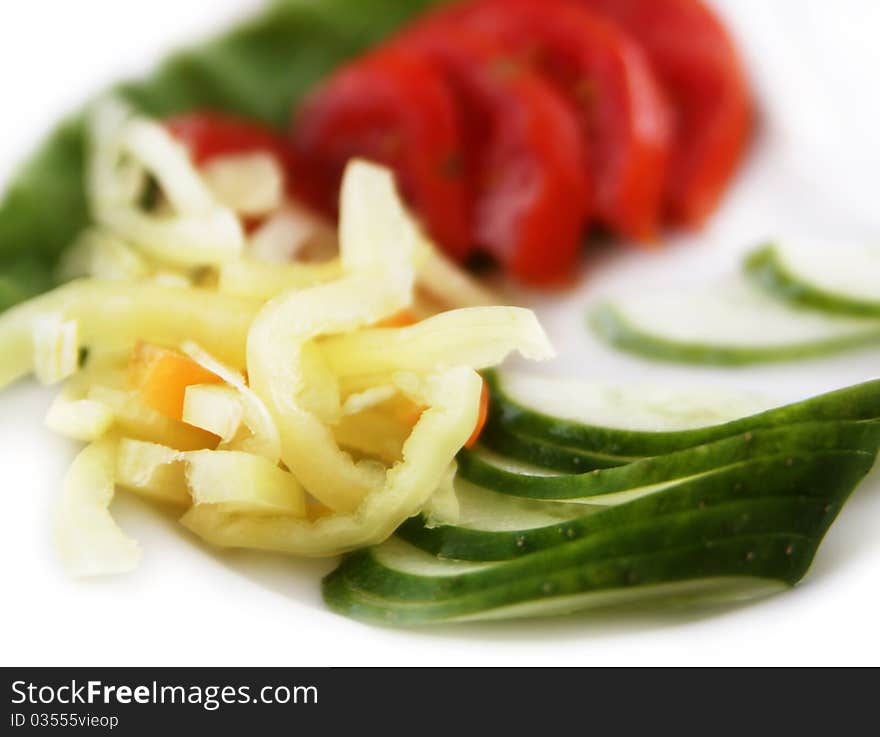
[[481, 417], [398, 320], [161, 376]]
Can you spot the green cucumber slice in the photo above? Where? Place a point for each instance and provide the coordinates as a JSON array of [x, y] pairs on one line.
[[779, 559], [486, 510], [518, 408], [828, 279], [732, 324], [648, 408], [355, 603], [765, 526], [782, 475], [542, 454], [497, 475]]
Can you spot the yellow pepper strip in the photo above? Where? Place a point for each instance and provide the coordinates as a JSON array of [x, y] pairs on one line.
[[214, 408], [134, 419], [241, 482], [153, 471], [451, 398], [262, 437], [478, 337], [56, 348], [373, 432], [378, 247], [88, 540], [275, 350], [74, 416], [263, 280], [125, 150], [237, 481], [449, 283], [116, 314]]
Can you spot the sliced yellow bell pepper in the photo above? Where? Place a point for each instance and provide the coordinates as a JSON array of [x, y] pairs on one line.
[[112, 315], [452, 399], [90, 543]]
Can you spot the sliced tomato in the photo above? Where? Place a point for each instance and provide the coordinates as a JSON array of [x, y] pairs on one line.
[[393, 108], [696, 61], [524, 156], [210, 134], [622, 112]]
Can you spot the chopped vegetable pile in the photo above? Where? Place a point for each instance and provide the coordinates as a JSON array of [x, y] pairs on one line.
[[513, 127], [303, 415], [256, 330]]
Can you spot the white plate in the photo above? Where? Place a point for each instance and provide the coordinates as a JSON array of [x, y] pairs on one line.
[[812, 170]]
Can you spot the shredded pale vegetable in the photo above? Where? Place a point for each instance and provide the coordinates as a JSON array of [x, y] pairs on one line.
[[451, 397], [113, 315], [262, 438], [73, 415], [250, 184], [56, 348], [90, 543], [130, 151], [214, 408], [478, 337], [302, 426], [151, 470]]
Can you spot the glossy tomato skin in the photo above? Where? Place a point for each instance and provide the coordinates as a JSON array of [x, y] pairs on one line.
[[524, 156], [698, 65], [393, 108], [210, 134], [607, 79]]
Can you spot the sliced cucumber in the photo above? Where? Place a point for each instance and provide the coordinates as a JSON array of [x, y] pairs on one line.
[[645, 407], [733, 324], [743, 484], [516, 409], [495, 474], [763, 522], [484, 509], [835, 280], [565, 590], [543, 454]]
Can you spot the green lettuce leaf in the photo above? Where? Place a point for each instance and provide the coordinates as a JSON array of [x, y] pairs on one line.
[[259, 69]]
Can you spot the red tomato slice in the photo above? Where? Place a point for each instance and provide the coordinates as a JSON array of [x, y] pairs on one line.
[[210, 134], [696, 61], [524, 155], [605, 76], [393, 108]]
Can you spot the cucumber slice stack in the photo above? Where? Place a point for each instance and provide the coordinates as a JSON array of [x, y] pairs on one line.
[[794, 303], [700, 511]]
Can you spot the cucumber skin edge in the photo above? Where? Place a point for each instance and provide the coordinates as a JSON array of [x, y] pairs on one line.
[[362, 569], [705, 495], [608, 323], [791, 552], [825, 435], [858, 402], [765, 269]]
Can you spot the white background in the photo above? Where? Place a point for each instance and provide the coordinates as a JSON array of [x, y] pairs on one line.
[[813, 169]]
